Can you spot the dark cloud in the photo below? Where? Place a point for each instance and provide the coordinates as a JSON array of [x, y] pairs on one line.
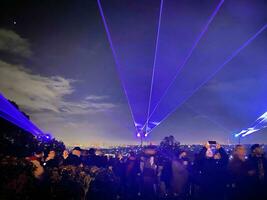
[[11, 42]]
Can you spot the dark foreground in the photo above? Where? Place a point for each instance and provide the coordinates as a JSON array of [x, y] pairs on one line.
[[167, 171]]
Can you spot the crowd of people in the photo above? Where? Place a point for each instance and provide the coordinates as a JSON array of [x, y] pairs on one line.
[[155, 172], [43, 168]]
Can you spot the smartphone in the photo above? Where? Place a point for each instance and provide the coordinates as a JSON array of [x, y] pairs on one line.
[[212, 142]]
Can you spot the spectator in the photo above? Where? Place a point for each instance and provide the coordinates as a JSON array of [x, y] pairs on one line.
[[63, 158], [238, 174], [179, 179], [74, 158], [37, 161], [257, 170], [148, 168], [165, 175], [51, 161], [132, 171], [38, 155], [135, 177], [211, 167]]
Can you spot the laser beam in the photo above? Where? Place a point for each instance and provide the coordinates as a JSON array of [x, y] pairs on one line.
[[115, 57], [13, 115], [234, 54], [180, 67], [259, 124], [155, 59]]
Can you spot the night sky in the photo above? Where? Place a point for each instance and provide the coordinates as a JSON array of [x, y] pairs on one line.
[[57, 64]]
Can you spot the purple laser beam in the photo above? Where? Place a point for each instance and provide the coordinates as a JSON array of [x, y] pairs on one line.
[[13, 115], [235, 53], [115, 57], [154, 62], [189, 54]]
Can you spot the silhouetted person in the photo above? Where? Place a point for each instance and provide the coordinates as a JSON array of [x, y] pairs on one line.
[[257, 172], [51, 161], [37, 160], [75, 157], [63, 158], [238, 174], [131, 176], [93, 159], [179, 178], [165, 170], [149, 173], [212, 166]]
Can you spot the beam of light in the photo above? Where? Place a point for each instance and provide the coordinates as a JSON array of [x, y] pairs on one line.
[[13, 115], [259, 124], [18, 122], [238, 134], [132, 35], [180, 67], [262, 118], [154, 62], [115, 57], [234, 54], [250, 131]]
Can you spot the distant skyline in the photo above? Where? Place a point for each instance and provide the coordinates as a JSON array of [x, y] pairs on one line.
[[57, 65]]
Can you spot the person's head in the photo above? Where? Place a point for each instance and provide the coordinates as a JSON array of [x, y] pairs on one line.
[[256, 150], [52, 154], [209, 153], [39, 154], [119, 156], [65, 153], [217, 156], [92, 151], [182, 154], [76, 151], [152, 160], [239, 152], [98, 152], [131, 156], [150, 150]]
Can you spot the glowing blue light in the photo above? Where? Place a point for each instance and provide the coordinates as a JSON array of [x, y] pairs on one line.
[[259, 124], [155, 123], [262, 118], [250, 131], [13, 115], [48, 136], [133, 64], [182, 90], [133, 52], [138, 125], [238, 134], [114, 52], [180, 67], [154, 62]]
